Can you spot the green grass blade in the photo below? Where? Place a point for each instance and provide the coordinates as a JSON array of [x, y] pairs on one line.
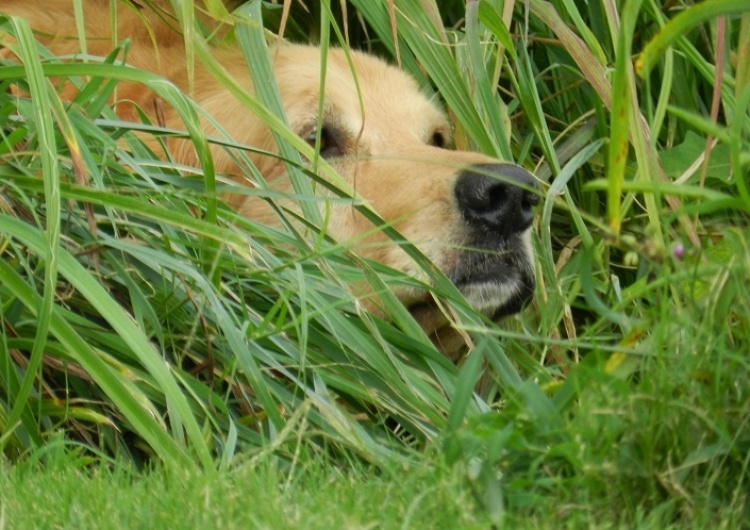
[[620, 122], [251, 39], [40, 92], [681, 24], [483, 88]]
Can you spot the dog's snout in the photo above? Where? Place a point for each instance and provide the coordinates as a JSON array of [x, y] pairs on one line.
[[497, 197]]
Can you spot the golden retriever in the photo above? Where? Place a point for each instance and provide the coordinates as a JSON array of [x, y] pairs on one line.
[[468, 213]]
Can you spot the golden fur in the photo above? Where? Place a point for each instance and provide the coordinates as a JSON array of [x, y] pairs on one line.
[[386, 154]]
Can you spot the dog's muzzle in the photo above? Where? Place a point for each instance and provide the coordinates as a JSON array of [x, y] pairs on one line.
[[495, 271]]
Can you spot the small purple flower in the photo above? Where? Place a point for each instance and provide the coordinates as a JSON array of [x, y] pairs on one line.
[[678, 250]]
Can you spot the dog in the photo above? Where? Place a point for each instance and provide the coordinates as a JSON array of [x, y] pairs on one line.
[[470, 214]]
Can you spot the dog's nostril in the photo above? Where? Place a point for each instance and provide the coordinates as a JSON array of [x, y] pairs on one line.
[[497, 197]]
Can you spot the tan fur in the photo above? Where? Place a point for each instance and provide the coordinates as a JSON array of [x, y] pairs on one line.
[[389, 162]]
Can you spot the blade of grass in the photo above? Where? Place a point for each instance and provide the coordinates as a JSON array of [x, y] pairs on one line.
[[683, 22], [41, 95], [740, 174], [252, 41], [137, 205], [742, 76], [620, 116], [485, 91]]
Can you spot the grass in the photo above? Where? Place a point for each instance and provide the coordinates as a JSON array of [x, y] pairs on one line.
[[620, 398], [257, 496]]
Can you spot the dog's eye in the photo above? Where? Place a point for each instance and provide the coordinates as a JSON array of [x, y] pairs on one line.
[[438, 140], [329, 146]]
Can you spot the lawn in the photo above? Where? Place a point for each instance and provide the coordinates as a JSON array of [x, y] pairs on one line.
[[166, 363], [248, 496]]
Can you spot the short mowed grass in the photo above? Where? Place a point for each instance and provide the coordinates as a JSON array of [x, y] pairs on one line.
[[165, 363], [257, 496]]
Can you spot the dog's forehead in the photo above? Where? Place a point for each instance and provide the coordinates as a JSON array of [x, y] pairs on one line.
[[355, 83]]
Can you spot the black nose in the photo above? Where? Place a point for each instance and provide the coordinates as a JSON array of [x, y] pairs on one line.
[[497, 197]]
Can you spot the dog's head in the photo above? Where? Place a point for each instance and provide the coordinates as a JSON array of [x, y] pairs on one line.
[[470, 214]]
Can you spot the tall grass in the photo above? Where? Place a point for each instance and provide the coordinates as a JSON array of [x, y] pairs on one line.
[[144, 320]]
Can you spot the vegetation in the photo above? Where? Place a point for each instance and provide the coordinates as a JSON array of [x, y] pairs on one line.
[[257, 496], [143, 323]]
